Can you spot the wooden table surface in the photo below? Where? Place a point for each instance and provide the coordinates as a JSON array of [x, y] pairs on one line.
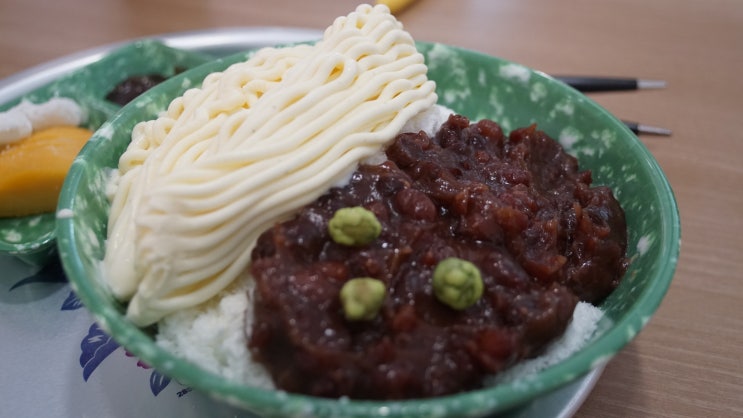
[[688, 361]]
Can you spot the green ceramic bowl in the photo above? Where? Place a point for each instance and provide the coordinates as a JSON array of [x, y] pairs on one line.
[[477, 86], [32, 238]]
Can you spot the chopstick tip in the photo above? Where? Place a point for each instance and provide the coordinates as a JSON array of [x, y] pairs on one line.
[[651, 84], [641, 128], [653, 130]]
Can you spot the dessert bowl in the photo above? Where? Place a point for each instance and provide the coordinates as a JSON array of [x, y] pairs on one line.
[[32, 238], [472, 84]]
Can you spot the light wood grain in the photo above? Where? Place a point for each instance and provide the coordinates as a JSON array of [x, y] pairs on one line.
[[689, 360]]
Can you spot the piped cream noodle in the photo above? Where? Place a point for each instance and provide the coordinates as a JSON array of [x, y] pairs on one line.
[[251, 146]]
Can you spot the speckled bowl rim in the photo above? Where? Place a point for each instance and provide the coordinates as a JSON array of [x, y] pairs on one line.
[[474, 403], [35, 245]]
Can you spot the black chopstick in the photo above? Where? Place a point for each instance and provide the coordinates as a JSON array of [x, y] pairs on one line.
[[597, 84], [587, 84]]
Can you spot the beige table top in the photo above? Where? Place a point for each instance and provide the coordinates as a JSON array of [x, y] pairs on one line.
[[688, 361]]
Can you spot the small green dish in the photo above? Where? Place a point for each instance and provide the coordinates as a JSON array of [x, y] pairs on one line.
[[31, 238], [477, 86]]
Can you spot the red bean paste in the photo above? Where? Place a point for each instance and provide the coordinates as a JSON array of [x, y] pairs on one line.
[[518, 207], [130, 88]]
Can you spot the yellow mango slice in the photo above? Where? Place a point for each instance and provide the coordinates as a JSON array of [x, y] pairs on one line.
[[32, 170]]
